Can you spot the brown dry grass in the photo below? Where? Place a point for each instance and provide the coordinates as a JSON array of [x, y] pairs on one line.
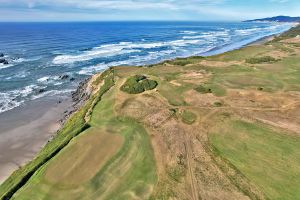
[[83, 158]]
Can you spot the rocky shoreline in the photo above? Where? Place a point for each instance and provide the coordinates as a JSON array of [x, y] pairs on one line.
[[79, 97]]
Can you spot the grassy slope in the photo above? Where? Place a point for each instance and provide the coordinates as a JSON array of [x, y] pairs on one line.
[[129, 173], [73, 126], [268, 158]]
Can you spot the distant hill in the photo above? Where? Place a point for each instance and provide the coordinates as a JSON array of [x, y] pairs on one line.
[[277, 19]]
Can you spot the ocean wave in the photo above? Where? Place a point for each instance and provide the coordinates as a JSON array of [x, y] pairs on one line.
[[21, 60], [14, 98], [48, 79], [188, 32], [105, 51], [206, 36], [134, 60], [7, 103], [52, 93], [110, 50], [2, 66], [257, 30]]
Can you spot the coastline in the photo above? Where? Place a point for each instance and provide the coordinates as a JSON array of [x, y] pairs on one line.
[[24, 131], [38, 129]]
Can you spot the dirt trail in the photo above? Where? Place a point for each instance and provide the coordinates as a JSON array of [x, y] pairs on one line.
[[189, 159]]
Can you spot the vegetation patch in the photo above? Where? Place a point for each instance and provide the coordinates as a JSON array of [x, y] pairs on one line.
[[215, 89], [185, 61], [176, 173], [293, 32], [251, 147], [138, 84], [188, 117], [85, 169], [218, 104], [259, 60], [75, 125]]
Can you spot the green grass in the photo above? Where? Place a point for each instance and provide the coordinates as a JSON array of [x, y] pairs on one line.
[[172, 93], [73, 126], [269, 159], [138, 84], [293, 32], [130, 172], [215, 89], [188, 117], [184, 61], [259, 60], [176, 173]]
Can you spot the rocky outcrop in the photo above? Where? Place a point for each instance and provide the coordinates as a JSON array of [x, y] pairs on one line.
[[1, 55], [79, 97], [64, 77], [81, 94], [4, 61]]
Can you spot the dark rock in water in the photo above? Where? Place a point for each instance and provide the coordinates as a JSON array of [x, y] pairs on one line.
[[3, 61], [72, 79], [1, 54], [41, 91], [64, 77]]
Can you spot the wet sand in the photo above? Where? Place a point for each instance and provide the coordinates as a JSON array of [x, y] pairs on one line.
[[25, 130]]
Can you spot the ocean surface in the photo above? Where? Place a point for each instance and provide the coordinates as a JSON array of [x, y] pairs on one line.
[[39, 54]]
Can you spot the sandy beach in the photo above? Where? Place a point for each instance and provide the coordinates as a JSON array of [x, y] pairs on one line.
[[25, 130]]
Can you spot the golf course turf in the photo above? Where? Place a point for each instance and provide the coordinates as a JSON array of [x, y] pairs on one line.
[[219, 127]]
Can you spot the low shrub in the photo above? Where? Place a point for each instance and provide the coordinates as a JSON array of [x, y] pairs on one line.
[[258, 60], [203, 90], [188, 117], [215, 89], [138, 84], [218, 104]]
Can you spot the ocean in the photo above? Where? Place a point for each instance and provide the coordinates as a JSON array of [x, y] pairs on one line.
[[49, 59]]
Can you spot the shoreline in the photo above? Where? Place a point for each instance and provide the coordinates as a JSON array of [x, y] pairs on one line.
[[28, 136], [26, 130], [35, 124]]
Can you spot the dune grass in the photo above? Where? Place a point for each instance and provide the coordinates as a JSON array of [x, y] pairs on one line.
[[269, 159]]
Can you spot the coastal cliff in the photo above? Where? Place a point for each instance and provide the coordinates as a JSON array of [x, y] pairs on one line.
[[189, 128]]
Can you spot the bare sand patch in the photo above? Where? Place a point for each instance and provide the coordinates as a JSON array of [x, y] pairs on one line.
[[292, 40], [174, 82], [219, 63], [257, 99], [196, 99]]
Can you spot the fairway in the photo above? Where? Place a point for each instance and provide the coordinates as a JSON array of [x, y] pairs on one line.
[[83, 158], [268, 158], [111, 160]]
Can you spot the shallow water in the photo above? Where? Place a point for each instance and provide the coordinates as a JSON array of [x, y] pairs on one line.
[[39, 53]]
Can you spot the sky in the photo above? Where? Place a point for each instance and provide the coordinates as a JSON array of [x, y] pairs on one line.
[[136, 10]]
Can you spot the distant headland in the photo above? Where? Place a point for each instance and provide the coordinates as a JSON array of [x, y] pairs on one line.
[[276, 19]]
